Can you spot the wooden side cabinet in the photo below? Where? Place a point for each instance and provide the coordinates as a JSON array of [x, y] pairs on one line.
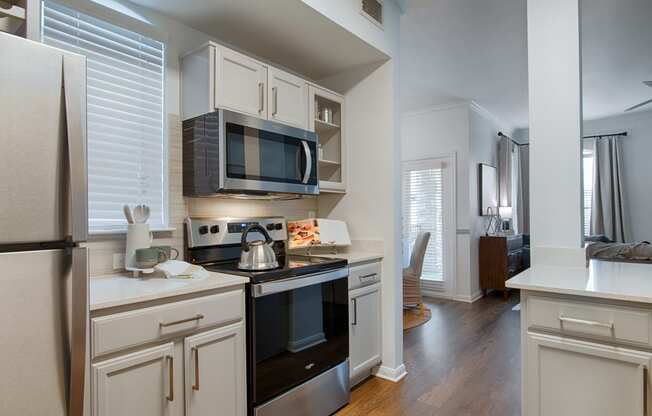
[[500, 258]]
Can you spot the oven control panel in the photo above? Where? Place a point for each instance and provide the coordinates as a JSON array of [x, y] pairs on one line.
[[202, 232]]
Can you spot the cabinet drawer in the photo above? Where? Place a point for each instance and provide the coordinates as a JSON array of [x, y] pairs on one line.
[[616, 322], [364, 274], [128, 329]]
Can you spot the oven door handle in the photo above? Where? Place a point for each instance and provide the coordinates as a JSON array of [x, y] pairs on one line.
[[285, 285]]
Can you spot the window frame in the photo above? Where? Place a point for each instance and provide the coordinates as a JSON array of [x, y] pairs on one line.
[[146, 29]]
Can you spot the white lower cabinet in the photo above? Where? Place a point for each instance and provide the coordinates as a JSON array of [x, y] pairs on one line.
[[215, 371], [568, 377], [198, 367], [141, 383], [364, 330]]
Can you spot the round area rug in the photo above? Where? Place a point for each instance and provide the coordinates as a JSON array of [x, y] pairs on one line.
[[415, 317]]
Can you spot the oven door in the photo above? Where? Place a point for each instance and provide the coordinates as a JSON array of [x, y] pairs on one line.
[[298, 328], [264, 156]]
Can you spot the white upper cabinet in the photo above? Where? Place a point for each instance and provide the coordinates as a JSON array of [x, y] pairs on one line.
[[326, 118], [240, 83], [215, 77], [287, 98]]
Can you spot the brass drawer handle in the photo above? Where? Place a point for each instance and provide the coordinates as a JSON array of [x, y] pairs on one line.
[[195, 352], [563, 319], [197, 317], [170, 396], [368, 276]]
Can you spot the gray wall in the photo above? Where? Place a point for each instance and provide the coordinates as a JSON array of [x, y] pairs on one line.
[[637, 166]]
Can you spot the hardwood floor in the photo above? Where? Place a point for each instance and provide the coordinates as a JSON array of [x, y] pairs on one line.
[[464, 361]]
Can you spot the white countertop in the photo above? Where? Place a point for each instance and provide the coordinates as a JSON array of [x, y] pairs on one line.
[[353, 257], [602, 279], [121, 289]]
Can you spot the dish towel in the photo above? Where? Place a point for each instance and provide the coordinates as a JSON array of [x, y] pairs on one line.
[[176, 269]]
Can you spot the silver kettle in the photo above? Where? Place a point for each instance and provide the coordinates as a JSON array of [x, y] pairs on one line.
[[259, 254]]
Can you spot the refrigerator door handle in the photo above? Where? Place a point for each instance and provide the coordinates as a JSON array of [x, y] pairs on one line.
[[74, 88], [78, 331]]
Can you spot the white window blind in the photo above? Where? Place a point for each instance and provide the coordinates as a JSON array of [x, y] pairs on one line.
[[127, 157], [423, 212]]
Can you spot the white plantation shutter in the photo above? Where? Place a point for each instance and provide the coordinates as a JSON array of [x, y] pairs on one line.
[[126, 146], [423, 212]]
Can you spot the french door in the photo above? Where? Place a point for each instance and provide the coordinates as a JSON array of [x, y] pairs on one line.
[[429, 206]]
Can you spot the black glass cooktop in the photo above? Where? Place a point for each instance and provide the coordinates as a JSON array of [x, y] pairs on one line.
[[289, 266]]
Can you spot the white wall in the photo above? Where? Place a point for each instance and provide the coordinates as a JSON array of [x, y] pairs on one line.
[[483, 146], [636, 153], [471, 133], [555, 127], [346, 13]]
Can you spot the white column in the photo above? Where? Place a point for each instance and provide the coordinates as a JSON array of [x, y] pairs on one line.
[[555, 95]]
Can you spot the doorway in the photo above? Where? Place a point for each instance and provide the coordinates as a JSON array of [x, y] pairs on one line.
[[428, 205]]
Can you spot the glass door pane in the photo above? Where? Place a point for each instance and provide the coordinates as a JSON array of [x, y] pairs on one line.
[[423, 212]]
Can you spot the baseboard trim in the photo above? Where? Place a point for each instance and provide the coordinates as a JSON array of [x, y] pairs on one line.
[[392, 374], [468, 299], [456, 298]]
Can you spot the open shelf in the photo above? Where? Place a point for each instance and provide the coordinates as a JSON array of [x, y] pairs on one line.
[[326, 162], [324, 126]]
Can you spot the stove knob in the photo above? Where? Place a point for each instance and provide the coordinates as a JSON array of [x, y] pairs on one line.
[[279, 226], [270, 227], [203, 229], [215, 229]]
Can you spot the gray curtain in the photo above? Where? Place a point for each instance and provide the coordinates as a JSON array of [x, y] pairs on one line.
[[608, 204]]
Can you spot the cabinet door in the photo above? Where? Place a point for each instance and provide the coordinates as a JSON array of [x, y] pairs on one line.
[[567, 377], [288, 98], [215, 372], [364, 329], [141, 383], [240, 83]]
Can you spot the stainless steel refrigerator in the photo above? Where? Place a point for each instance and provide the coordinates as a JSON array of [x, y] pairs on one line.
[[43, 221]]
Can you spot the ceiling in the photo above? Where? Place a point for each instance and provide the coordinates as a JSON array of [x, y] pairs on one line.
[[454, 50], [616, 55], [286, 32]]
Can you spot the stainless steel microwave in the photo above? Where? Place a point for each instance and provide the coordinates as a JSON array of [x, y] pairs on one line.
[[230, 153]]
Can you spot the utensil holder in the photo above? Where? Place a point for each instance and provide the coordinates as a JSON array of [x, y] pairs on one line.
[[138, 236]]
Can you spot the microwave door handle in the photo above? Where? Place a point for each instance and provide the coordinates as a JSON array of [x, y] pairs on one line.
[[306, 149]]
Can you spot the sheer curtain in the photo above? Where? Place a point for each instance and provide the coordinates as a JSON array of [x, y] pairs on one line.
[[513, 169], [608, 203]]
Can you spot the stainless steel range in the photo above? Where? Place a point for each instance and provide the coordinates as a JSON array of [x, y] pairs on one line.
[[297, 318]]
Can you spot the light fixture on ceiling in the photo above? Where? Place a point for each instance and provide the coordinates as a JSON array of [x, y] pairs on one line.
[[634, 107]]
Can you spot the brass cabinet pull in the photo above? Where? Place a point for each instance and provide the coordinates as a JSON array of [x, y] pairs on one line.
[[181, 321], [275, 98], [195, 352], [170, 360], [645, 376], [563, 319], [261, 97]]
